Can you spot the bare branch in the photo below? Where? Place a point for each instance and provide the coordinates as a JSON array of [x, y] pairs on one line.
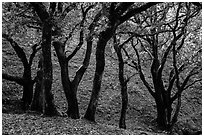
[[19, 51], [181, 44], [34, 27], [172, 77], [177, 16], [164, 58], [125, 42], [18, 80], [66, 11], [95, 21], [70, 33], [178, 106], [40, 10], [182, 87], [84, 12], [81, 38], [133, 66], [59, 48], [35, 50], [198, 80], [141, 73], [137, 10], [80, 72], [191, 73], [128, 79], [52, 8], [122, 7], [59, 7], [198, 4], [82, 69], [145, 49]]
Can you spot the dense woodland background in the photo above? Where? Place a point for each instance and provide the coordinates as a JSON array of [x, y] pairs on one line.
[[101, 68]]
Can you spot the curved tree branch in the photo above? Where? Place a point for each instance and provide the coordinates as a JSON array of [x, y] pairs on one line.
[[141, 73], [41, 10], [18, 80], [19, 51], [35, 50], [67, 10], [136, 10], [198, 4]]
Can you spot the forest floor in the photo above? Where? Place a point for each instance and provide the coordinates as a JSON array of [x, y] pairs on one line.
[[141, 111]]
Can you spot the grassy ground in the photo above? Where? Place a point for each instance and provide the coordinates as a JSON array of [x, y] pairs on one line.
[[141, 111]]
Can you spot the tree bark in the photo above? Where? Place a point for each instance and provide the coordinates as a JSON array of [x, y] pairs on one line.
[[27, 88], [48, 106], [26, 80], [161, 114], [100, 64], [70, 94], [124, 94], [73, 110], [37, 102], [123, 85]]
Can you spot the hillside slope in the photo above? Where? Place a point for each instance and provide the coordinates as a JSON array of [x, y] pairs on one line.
[[141, 111]]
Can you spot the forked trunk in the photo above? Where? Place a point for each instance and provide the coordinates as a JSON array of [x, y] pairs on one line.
[[69, 88]]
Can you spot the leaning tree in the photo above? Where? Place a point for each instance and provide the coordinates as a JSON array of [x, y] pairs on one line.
[[115, 14]]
